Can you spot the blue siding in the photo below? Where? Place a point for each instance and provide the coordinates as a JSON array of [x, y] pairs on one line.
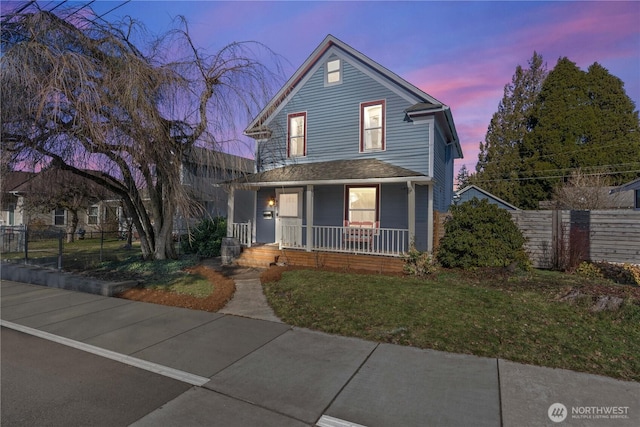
[[333, 123], [393, 206], [328, 205], [472, 192]]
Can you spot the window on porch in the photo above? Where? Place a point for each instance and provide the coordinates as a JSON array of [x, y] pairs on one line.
[[297, 135], [362, 204]]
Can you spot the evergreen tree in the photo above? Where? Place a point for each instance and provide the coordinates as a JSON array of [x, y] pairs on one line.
[[499, 160], [580, 120], [463, 177]]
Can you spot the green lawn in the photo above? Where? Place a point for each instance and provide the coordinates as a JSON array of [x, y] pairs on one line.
[[77, 255], [519, 318]]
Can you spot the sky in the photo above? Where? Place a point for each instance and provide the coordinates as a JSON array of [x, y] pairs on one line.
[[462, 53]]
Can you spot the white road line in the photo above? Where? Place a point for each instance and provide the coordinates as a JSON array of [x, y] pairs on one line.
[[123, 358], [327, 421]]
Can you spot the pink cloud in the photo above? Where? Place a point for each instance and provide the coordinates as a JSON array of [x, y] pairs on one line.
[[606, 33]]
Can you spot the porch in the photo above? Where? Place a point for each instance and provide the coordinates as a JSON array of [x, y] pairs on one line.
[[363, 239], [364, 207]]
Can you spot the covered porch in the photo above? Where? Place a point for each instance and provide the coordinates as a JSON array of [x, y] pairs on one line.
[[363, 207]]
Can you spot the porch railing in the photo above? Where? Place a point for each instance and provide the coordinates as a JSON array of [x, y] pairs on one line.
[[360, 240], [242, 232]]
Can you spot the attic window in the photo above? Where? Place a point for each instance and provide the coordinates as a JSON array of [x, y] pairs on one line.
[[334, 72]]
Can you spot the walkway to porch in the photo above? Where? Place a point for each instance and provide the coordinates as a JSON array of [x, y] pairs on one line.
[[263, 256]]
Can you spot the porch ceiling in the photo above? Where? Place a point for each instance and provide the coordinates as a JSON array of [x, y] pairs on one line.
[[334, 171]]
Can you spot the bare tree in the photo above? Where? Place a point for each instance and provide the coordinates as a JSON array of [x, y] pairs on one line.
[[78, 94], [57, 189], [583, 191]]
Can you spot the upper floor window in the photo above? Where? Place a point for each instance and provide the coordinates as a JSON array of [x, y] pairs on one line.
[[297, 135], [372, 126], [334, 71]]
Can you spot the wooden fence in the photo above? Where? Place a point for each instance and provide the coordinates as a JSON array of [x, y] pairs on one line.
[[564, 238]]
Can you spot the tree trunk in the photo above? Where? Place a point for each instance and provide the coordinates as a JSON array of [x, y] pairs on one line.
[[72, 225]]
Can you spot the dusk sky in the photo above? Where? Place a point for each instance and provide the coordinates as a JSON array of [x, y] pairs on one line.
[[461, 53]]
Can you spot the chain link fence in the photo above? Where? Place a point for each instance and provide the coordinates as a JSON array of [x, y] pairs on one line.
[[52, 248]]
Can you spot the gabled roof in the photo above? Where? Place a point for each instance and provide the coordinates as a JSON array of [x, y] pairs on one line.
[[14, 179], [220, 160], [48, 180], [336, 170], [424, 103], [488, 195], [632, 185]]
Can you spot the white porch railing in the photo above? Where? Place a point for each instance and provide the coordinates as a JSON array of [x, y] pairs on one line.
[[360, 240], [242, 232]]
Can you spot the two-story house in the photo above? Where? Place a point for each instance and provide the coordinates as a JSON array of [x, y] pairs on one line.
[[350, 158]]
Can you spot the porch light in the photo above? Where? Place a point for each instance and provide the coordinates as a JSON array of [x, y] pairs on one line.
[[271, 202]]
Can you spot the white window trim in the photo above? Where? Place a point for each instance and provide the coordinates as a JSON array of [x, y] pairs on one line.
[[364, 105], [304, 139], [97, 215], [64, 216], [327, 73], [377, 201]]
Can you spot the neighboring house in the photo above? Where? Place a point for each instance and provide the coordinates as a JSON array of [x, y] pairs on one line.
[[95, 210], [631, 188], [203, 172], [472, 191], [11, 213], [350, 158]]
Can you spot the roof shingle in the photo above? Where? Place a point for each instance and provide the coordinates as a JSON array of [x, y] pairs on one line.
[[359, 169]]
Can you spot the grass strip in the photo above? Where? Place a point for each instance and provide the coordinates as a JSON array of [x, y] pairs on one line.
[[518, 318]]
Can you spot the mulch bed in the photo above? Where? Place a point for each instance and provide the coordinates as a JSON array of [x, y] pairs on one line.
[[224, 289]]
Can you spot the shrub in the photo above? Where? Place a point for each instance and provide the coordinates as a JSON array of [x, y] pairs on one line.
[[205, 240], [625, 274], [480, 234], [587, 269], [419, 263]]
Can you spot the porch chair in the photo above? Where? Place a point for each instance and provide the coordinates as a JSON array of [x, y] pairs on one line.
[[357, 233]]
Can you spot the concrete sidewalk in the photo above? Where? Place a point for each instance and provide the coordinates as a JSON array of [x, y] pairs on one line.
[[248, 371]]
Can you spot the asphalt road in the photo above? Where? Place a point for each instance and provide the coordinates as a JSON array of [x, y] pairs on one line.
[[47, 384]]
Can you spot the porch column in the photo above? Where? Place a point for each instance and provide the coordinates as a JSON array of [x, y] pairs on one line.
[[309, 245], [430, 219], [411, 207], [230, 205]]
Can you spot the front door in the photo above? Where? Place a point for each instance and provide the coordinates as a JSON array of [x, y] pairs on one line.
[[289, 217]]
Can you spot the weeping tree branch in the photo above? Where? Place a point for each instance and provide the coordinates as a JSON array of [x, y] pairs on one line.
[[80, 94]]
